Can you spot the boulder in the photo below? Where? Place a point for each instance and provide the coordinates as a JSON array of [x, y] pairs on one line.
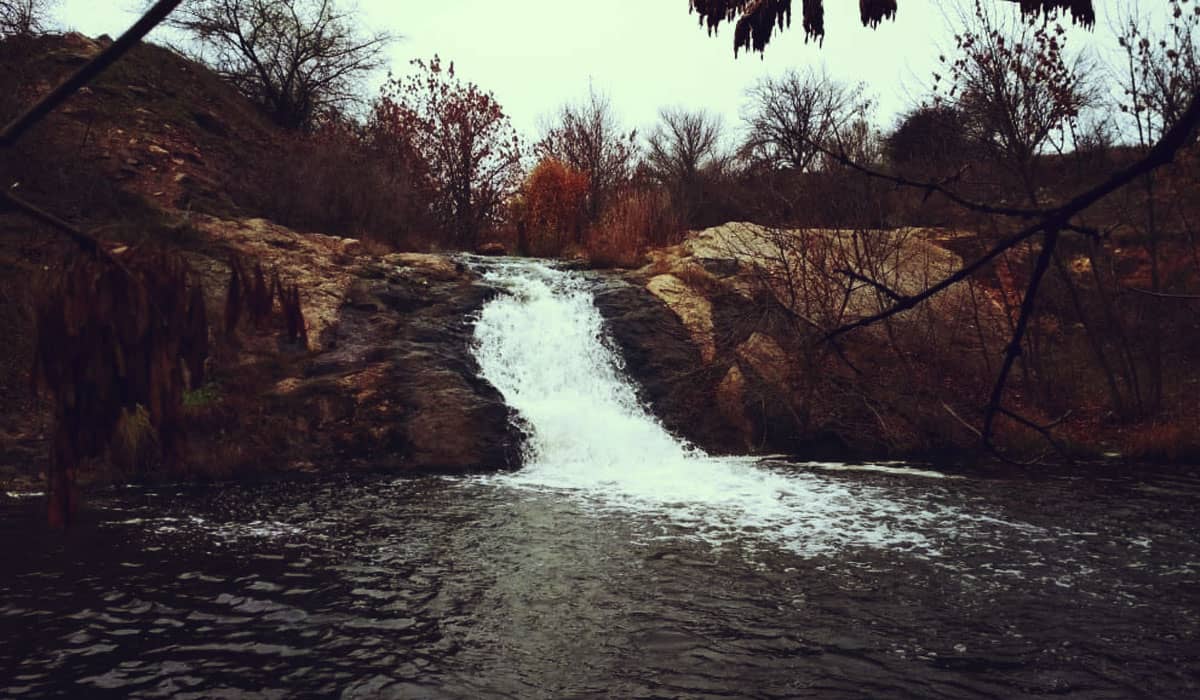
[[692, 309], [767, 358], [731, 402]]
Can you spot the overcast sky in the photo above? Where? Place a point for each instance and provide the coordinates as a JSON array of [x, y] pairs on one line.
[[646, 54]]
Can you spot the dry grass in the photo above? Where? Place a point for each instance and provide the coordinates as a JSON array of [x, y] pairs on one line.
[[636, 221], [1163, 442]]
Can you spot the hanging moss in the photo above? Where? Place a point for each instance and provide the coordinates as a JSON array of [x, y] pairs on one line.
[[257, 296], [195, 340], [293, 316], [755, 20], [233, 298], [872, 12], [1082, 12], [259, 299], [814, 21], [114, 333]]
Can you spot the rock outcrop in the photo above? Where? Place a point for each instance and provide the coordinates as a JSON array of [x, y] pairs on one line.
[[388, 379], [717, 329]]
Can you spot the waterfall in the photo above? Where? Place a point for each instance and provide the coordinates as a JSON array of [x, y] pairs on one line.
[[544, 347], [542, 344]]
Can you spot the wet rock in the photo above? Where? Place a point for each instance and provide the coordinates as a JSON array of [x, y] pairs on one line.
[[731, 402], [767, 358], [666, 363], [727, 287]]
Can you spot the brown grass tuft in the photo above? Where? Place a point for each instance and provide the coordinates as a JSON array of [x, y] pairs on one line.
[[636, 221]]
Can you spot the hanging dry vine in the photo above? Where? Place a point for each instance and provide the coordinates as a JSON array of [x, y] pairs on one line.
[[115, 333], [96, 356], [756, 20], [256, 295]]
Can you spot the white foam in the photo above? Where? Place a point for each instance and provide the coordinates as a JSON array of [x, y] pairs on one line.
[[885, 468], [542, 344]]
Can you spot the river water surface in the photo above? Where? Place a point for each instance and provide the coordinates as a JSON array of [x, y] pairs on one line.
[[618, 562]]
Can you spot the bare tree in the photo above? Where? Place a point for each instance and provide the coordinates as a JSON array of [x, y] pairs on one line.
[[24, 17], [588, 137], [787, 116], [1015, 88], [929, 138], [296, 58], [1159, 78], [1040, 227], [1161, 71], [681, 152]]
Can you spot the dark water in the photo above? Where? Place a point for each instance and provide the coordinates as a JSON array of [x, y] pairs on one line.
[[429, 587]]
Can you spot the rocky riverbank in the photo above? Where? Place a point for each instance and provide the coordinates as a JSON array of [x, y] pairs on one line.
[[388, 380]]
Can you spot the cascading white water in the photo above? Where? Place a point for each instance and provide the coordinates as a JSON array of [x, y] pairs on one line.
[[542, 344]]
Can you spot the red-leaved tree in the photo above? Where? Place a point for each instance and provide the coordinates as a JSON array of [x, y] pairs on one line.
[[555, 198], [466, 142]]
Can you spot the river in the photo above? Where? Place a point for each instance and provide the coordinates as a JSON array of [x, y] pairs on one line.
[[618, 562]]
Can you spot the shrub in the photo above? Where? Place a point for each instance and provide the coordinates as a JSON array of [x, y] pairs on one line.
[[337, 181], [553, 208], [635, 221], [1162, 442]]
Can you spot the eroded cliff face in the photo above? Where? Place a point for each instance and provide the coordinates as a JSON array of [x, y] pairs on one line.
[[702, 364]]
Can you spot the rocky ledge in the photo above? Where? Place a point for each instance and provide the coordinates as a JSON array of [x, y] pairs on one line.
[[388, 380]]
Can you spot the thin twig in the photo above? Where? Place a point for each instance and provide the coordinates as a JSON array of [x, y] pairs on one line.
[[1043, 430], [11, 201], [1162, 295], [1013, 351], [876, 284]]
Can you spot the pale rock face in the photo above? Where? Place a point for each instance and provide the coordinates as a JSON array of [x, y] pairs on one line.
[[907, 261], [767, 358], [692, 308], [719, 283], [731, 402], [429, 264], [306, 259]]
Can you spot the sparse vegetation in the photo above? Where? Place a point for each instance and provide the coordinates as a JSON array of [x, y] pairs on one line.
[[634, 222]]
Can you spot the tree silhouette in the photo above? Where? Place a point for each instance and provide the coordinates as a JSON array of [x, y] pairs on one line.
[[24, 17], [296, 58], [789, 114], [462, 136], [588, 137]]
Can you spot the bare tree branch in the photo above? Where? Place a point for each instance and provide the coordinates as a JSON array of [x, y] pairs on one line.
[[1054, 219], [296, 58]]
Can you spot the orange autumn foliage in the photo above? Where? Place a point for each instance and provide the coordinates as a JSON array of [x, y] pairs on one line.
[[554, 207]]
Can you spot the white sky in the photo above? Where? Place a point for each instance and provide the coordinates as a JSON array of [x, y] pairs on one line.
[[646, 54]]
